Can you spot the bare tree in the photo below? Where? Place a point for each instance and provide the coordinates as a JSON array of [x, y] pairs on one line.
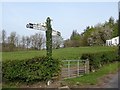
[[56, 41], [23, 42], [40, 40], [37, 40], [3, 37], [11, 41], [28, 41], [17, 41], [32, 37]]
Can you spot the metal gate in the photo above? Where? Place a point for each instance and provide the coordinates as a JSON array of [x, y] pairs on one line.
[[74, 68]]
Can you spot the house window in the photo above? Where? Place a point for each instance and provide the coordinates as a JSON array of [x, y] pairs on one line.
[[115, 41]]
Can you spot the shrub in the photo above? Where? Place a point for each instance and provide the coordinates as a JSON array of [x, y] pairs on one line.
[[35, 69], [100, 58]]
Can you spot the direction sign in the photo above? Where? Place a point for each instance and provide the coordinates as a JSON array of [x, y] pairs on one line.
[[29, 25], [36, 26], [42, 26]]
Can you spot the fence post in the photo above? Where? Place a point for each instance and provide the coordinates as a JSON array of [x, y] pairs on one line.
[[68, 68], [78, 68]]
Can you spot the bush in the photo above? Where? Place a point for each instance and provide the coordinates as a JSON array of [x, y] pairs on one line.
[[100, 58], [35, 69]]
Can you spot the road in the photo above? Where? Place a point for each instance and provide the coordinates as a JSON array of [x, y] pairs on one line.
[[113, 81]]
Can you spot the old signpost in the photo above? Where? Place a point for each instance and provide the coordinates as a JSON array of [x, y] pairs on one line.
[[49, 32]]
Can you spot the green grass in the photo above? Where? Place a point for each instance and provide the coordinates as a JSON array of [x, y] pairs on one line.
[[63, 53], [66, 53], [94, 77], [20, 55]]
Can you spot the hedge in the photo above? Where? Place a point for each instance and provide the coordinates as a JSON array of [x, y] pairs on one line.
[[35, 69], [96, 60]]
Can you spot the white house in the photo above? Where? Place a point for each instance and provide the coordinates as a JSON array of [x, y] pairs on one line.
[[112, 42]]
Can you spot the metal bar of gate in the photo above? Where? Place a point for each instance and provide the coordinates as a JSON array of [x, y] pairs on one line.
[[69, 72], [78, 68], [68, 68]]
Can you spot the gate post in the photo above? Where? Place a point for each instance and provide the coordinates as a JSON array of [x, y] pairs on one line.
[[78, 68], [68, 68], [87, 66]]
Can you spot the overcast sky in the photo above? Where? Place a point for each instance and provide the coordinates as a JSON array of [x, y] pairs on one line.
[[67, 16]]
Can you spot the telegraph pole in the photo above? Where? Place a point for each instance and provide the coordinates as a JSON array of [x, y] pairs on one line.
[[119, 28]]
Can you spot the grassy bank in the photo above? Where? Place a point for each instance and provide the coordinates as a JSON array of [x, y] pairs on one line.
[[63, 53], [94, 77]]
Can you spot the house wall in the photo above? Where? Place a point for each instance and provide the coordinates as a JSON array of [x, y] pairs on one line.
[[112, 42]]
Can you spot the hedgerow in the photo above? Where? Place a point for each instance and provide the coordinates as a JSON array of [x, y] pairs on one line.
[[31, 70], [96, 60]]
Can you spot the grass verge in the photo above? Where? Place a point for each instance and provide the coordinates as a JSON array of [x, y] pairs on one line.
[[93, 78]]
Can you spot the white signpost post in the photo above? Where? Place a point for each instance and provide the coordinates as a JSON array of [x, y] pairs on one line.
[[46, 27]]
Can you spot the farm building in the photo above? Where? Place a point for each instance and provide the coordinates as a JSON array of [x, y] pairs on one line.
[[112, 42]]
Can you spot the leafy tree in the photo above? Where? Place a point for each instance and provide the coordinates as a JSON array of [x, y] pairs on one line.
[[111, 22], [75, 39], [98, 34], [115, 29], [68, 43], [75, 35]]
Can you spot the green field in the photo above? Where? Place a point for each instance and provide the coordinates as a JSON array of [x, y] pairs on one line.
[[63, 53]]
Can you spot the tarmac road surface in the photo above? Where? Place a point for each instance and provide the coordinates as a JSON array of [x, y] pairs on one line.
[[114, 82]]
